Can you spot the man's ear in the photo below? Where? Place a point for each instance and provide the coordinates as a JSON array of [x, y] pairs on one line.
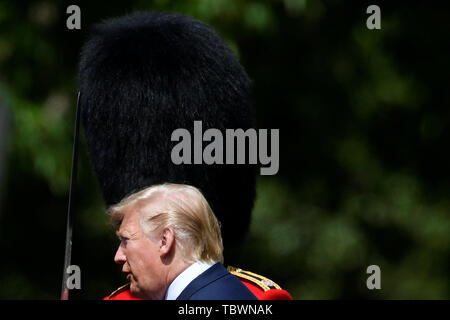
[[167, 241]]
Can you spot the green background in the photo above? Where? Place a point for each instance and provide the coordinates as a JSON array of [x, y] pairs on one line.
[[364, 169]]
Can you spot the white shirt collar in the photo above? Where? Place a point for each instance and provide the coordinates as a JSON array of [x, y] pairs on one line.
[[182, 281]]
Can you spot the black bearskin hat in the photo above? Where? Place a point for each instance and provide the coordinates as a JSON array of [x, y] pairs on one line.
[[146, 74]]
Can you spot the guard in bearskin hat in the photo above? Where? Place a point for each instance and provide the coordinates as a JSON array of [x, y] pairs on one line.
[[141, 77]]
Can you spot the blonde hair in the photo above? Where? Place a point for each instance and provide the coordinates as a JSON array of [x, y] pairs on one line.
[[186, 211]]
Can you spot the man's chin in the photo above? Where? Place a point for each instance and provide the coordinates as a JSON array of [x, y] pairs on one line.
[[135, 291], [142, 294]]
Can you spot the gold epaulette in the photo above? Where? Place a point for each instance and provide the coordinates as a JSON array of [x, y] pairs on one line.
[[262, 282], [118, 289]]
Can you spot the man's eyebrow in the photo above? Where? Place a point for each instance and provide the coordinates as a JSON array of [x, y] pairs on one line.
[[122, 234]]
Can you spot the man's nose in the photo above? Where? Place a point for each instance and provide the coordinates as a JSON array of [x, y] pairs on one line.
[[120, 257]]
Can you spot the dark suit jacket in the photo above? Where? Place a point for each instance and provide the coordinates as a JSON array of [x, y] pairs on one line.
[[216, 283]]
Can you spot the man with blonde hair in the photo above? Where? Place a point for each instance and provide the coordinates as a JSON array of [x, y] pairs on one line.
[[171, 246]]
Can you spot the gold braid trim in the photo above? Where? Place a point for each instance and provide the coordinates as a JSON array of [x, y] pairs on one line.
[[117, 290], [262, 282]]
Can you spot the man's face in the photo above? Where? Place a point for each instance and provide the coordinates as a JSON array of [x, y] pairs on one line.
[[141, 259]]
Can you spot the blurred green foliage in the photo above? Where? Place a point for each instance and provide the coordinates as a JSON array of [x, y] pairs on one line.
[[363, 115]]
